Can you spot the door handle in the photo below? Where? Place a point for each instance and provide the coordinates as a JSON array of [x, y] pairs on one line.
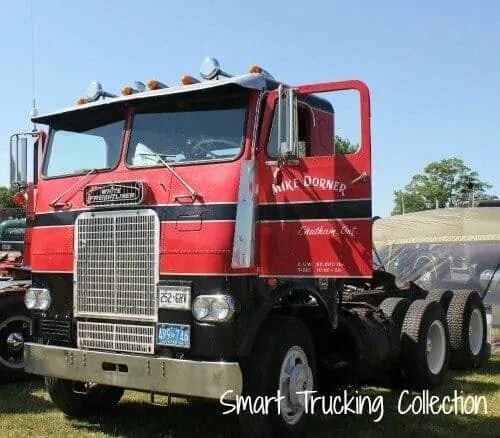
[[363, 177]]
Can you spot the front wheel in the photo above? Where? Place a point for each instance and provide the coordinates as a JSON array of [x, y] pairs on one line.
[[80, 400], [282, 368], [14, 329]]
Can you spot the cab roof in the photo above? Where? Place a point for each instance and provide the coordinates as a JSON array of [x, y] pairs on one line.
[[250, 81]]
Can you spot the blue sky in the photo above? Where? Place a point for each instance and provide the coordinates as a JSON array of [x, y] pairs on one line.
[[432, 67]]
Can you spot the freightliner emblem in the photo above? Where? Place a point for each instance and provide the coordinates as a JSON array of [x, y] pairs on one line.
[[123, 193]]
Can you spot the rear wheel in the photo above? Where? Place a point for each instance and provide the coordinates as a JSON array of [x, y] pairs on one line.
[[14, 329], [443, 297], [466, 319], [395, 309], [282, 363], [424, 344], [89, 399]]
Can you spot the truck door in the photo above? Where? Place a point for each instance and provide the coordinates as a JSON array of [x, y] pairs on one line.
[[314, 207]]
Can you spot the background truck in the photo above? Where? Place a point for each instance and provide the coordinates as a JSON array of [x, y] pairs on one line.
[[206, 242], [14, 317]]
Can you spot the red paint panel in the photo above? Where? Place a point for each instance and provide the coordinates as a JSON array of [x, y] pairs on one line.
[[320, 248], [186, 247], [316, 214], [52, 249], [316, 179]]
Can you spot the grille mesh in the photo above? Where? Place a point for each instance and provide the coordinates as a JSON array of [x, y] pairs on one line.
[[116, 337], [117, 264]]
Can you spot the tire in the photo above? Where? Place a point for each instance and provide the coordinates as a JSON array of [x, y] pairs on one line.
[[98, 399], [424, 345], [14, 329], [282, 341], [443, 297], [395, 309], [466, 319]]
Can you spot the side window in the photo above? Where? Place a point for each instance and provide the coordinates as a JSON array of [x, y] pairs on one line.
[[304, 127], [316, 135]]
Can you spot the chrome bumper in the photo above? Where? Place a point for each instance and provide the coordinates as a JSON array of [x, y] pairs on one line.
[[184, 378]]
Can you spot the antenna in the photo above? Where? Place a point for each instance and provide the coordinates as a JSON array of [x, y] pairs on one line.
[[34, 111]]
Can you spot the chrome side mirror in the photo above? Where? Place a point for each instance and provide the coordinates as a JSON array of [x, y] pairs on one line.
[[19, 160], [287, 124]]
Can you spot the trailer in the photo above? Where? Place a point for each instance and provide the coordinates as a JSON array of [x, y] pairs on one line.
[[207, 242], [453, 249]]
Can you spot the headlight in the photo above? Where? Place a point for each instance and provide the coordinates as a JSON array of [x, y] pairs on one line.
[[30, 299], [214, 308], [37, 299]]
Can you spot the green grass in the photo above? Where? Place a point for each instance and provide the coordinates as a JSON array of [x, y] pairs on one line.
[[25, 410]]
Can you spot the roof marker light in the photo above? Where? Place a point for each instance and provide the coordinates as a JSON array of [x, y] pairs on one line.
[[259, 69], [82, 101], [189, 80], [138, 87], [156, 85]]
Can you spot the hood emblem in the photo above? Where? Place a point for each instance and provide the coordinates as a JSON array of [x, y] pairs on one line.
[[112, 194]]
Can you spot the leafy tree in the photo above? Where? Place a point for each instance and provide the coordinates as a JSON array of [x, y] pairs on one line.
[[344, 146], [446, 183], [6, 194]]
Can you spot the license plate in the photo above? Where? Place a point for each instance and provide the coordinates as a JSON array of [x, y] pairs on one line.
[[171, 297], [174, 335]]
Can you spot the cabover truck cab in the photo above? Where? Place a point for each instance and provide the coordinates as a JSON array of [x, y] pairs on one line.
[[205, 241]]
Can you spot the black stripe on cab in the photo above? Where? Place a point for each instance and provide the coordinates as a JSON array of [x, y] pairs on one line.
[[227, 212], [168, 213], [320, 210]]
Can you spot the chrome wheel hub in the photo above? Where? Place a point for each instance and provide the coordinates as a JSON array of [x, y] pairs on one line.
[[295, 376]]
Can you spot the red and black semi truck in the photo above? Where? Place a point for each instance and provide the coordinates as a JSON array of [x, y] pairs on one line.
[[206, 241]]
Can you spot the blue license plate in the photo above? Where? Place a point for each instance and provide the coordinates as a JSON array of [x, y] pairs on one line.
[[174, 335]]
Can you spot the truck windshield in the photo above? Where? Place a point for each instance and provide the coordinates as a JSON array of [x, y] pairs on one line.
[[195, 130], [81, 143]]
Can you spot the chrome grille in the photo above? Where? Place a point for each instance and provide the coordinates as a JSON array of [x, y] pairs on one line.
[[116, 264], [116, 337]]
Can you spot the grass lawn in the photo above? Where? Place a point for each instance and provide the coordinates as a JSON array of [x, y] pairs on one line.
[[25, 410]]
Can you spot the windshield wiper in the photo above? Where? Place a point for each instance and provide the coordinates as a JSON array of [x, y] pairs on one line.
[[193, 194], [55, 202]]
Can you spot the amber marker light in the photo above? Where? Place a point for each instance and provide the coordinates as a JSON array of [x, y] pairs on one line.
[[156, 85], [255, 69], [189, 80], [272, 281]]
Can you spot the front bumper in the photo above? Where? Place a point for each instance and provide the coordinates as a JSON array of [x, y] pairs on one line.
[[184, 378]]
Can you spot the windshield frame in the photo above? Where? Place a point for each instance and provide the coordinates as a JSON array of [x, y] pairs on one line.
[[245, 94], [48, 148], [130, 111]]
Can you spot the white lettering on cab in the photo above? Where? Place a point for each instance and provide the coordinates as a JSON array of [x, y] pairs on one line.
[[310, 181], [320, 230]]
